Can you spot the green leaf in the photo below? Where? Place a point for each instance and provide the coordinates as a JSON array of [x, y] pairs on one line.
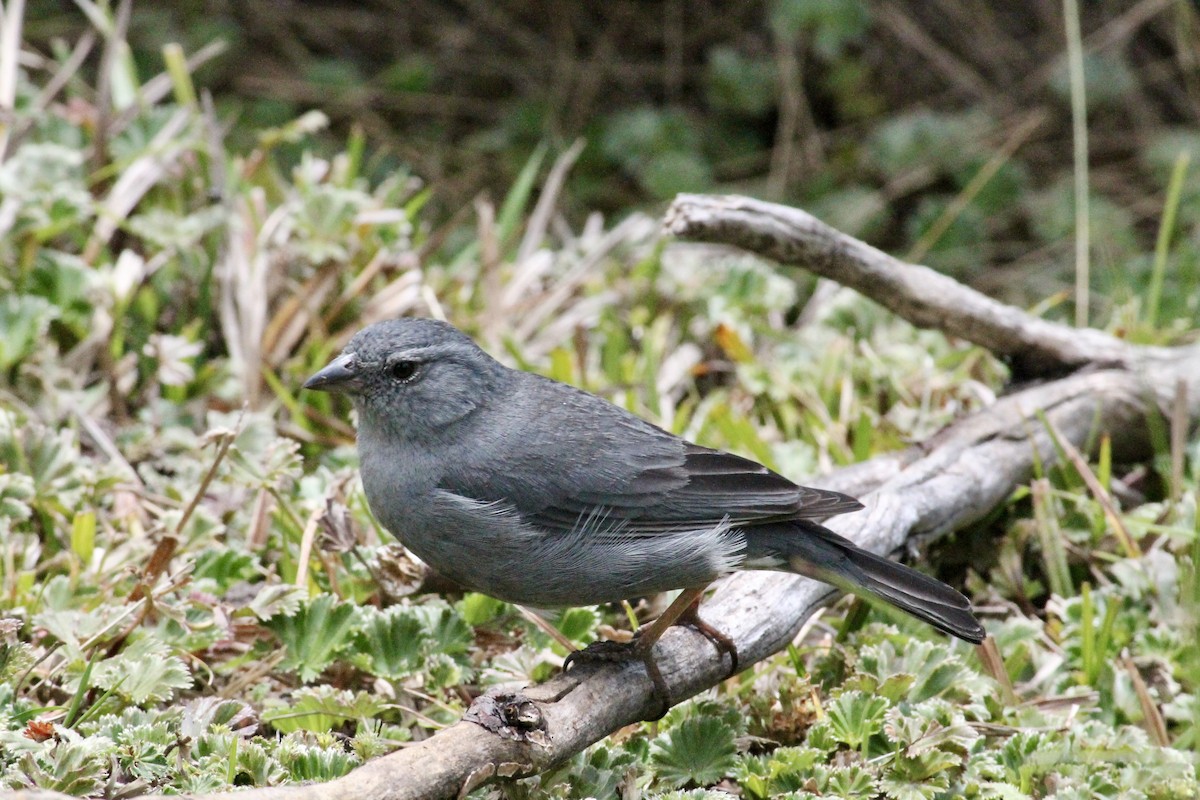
[[854, 717], [898, 789], [849, 782], [307, 763], [479, 609], [276, 599], [926, 767], [74, 766], [938, 670], [227, 566], [517, 200], [24, 320], [448, 631], [391, 642], [578, 624], [143, 671], [698, 751], [321, 708], [739, 84], [830, 25], [83, 535], [314, 635]]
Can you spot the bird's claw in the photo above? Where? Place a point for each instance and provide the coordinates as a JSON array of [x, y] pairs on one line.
[[603, 650], [606, 651], [610, 652], [719, 640]]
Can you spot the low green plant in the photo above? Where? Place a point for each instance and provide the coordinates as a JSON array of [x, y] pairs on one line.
[[194, 595]]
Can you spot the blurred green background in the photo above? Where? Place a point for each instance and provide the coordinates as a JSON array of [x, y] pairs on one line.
[[876, 116]]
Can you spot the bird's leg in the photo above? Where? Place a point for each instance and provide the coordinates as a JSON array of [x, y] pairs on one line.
[[688, 598], [691, 618], [683, 608]]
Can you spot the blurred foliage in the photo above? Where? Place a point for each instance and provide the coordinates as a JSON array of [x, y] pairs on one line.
[[892, 111], [194, 596]]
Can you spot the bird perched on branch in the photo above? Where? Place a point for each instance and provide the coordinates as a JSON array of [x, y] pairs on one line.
[[538, 493]]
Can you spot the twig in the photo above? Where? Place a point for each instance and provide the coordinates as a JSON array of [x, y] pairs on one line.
[[928, 299], [306, 543], [55, 85], [1153, 720], [11, 20], [226, 438], [1128, 544]]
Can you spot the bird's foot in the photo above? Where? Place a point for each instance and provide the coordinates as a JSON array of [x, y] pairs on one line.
[[603, 650], [611, 652], [682, 610], [691, 618]]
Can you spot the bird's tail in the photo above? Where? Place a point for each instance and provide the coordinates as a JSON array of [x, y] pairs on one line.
[[818, 552]]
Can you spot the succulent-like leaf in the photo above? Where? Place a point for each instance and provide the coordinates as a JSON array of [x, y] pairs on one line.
[[854, 717], [698, 751], [315, 634]]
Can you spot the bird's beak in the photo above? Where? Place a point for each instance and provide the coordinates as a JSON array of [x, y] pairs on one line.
[[337, 376]]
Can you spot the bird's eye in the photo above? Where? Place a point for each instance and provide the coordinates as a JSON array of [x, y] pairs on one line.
[[404, 370]]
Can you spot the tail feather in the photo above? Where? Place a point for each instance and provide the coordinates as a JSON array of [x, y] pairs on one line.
[[820, 553]]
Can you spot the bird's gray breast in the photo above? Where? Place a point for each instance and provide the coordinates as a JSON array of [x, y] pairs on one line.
[[490, 548]]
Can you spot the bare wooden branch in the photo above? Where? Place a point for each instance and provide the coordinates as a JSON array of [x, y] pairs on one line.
[[950, 481], [928, 299]]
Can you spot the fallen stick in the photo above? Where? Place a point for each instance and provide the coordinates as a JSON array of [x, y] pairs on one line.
[[926, 298]]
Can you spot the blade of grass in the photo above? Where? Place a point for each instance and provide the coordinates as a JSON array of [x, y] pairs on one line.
[[1104, 462], [181, 79], [1087, 630], [158, 87], [84, 684], [1079, 135], [94, 709], [630, 614], [1166, 229], [539, 220], [225, 439], [1054, 554], [70, 66], [114, 34], [1179, 432], [1101, 495], [962, 201], [23, 717], [513, 209], [1104, 639], [1095, 639], [306, 543]]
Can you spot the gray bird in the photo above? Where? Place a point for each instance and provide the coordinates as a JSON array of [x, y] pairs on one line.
[[538, 493]]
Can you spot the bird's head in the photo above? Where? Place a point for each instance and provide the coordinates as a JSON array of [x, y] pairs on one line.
[[414, 376]]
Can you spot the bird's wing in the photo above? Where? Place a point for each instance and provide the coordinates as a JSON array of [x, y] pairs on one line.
[[706, 487], [568, 458]]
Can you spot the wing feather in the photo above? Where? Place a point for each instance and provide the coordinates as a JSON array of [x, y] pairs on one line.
[[708, 487], [564, 456]]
